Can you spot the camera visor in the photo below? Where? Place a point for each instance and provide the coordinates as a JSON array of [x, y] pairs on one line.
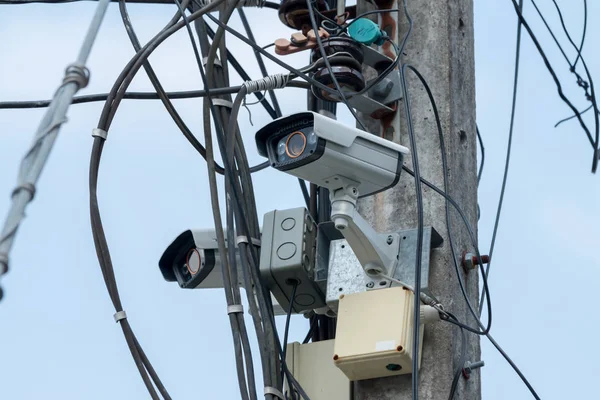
[[295, 144]]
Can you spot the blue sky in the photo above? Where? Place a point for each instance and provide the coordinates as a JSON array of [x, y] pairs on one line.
[[57, 335]]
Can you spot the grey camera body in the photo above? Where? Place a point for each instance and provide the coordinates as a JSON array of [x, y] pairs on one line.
[[333, 155], [287, 259]]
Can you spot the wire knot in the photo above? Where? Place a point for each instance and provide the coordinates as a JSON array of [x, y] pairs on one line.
[[78, 74], [277, 81]]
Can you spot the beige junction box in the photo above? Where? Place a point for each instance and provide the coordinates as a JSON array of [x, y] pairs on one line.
[[374, 333], [312, 366]]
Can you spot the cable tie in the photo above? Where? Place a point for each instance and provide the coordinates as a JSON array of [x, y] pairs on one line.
[[101, 133], [77, 73], [235, 308], [29, 187], [216, 62], [119, 315], [223, 103], [274, 392], [244, 239]]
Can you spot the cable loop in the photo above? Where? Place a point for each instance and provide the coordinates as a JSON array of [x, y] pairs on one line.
[[77, 73]]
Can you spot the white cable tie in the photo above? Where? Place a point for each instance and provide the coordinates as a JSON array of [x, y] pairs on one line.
[[244, 239], [119, 316], [235, 308], [101, 133], [222, 103], [277, 81], [29, 187], [216, 61], [274, 392]]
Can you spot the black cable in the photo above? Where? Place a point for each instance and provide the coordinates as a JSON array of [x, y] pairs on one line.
[[449, 317], [90, 98], [259, 60], [482, 149], [508, 150], [419, 249], [573, 116], [585, 21], [187, 133], [449, 200], [461, 362], [244, 75], [557, 82], [585, 85], [287, 324], [311, 329]]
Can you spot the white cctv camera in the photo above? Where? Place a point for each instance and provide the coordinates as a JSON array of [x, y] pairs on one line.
[[330, 154], [191, 260], [350, 163]]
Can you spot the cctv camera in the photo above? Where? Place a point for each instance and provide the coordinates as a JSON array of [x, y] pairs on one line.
[[191, 259], [330, 154]]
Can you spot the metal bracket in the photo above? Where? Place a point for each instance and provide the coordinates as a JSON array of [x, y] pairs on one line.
[[346, 274]]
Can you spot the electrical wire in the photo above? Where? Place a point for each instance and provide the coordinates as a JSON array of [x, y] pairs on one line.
[[508, 149], [573, 116], [461, 362], [287, 323], [557, 82], [482, 150], [445, 314], [145, 369], [419, 249]]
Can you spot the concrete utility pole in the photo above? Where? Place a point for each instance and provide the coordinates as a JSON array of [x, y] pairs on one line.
[[441, 47]]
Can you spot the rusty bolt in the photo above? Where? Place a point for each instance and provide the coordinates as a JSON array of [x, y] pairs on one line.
[[470, 261], [469, 367]]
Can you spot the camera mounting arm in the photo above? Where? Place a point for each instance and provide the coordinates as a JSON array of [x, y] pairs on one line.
[[377, 253]]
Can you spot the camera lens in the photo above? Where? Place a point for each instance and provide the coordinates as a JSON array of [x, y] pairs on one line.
[[194, 261], [295, 144]]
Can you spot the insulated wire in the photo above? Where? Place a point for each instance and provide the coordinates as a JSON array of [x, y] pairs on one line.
[[508, 149], [557, 82], [449, 317], [287, 324]]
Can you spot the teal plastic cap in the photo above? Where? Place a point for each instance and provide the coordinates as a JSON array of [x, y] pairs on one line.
[[366, 31]]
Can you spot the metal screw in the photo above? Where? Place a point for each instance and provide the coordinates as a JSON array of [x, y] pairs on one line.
[[390, 239], [470, 261], [469, 367], [370, 284]]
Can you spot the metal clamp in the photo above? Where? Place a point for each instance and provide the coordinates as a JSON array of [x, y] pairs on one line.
[[101, 133], [272, 391], [244, 239], [120, 315], [235, 308]]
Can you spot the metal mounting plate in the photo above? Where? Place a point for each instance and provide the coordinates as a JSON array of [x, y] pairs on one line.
[[346, 275]]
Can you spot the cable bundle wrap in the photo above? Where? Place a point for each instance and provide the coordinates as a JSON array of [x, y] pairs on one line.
[[277, 81], [77, 73]]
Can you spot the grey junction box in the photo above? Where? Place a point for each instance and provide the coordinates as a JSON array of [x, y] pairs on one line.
[[288, 258]]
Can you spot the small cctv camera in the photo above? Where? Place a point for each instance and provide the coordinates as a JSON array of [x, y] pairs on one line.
[[330, 154]]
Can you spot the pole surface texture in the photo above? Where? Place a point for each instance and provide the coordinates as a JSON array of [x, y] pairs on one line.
[[441, 47]]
